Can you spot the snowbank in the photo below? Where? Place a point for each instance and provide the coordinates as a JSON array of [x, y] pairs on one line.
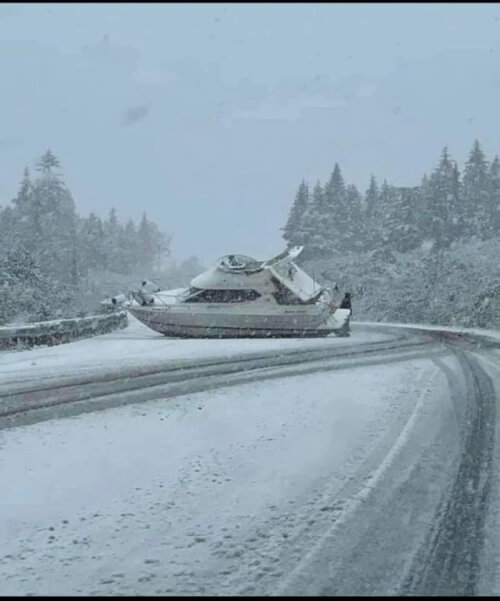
[[60, 330], [489, 333]]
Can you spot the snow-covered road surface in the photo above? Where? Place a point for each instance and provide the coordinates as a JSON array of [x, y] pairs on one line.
[[137, 346], [137, 364], [34, 401], [374, 474]]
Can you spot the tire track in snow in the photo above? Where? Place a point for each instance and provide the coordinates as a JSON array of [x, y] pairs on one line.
[[289, 585], [18, 408], [449, 563], [143, 375]]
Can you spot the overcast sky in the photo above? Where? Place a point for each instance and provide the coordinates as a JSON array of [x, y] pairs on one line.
[[208, 116]]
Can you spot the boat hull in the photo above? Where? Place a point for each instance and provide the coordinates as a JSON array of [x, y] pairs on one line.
[[182, 322]]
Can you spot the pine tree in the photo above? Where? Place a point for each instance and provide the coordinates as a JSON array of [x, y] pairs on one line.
[[443, 195], [379, 235], [112, 236], [48, 162], [122, 255], [355, 229], [294, 233], [401, 225], [49, 220], [160, 246], [336, 216], [22, 201], [370, 201], [146, 246], [314, 226], [369, 211], [165, 249], [131, 245], [26, 217], [494, 199], [9, 234], [75, 272], [24, 289], [92, 242], [476, 187]]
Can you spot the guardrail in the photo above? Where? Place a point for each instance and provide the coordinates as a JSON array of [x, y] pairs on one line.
[[61, 330]]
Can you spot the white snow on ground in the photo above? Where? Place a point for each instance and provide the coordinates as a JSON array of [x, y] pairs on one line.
[[137, 346], [173, 496]]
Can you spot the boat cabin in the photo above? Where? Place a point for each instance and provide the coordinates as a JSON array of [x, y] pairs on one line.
[[239, 278]]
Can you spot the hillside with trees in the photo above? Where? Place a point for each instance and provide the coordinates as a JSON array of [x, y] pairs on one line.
[[55, 263], [428, 253]]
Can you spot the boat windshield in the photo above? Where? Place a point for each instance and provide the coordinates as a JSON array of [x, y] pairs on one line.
[[188, 293], [223, 296]]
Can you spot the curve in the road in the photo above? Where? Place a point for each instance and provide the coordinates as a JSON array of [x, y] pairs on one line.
[[28, 404], [446, 558], [449, 563]]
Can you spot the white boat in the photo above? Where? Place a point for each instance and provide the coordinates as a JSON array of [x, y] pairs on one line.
[[243, 297]]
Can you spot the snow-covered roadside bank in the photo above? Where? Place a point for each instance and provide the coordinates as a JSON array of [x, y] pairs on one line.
[[137, 346], [177, 496], [60, 331], [495, 334]]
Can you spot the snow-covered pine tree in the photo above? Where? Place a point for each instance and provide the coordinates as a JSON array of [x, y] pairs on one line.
[[494, 199], [355, 232], [24, 220], [53, 219], [22, 201], [146, 246], [370, 204], [9, 234], [92, 243], [25, 291], [401, 225], [131, 245], [370, 200], [161, 247], [314, 226], [442, 222], [293, 232], [112, 235], [336, 217], [476, 188], [123, 257], [48, 162], [382, 211]]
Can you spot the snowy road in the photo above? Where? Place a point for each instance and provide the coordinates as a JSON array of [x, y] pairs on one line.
[[366, 465]]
